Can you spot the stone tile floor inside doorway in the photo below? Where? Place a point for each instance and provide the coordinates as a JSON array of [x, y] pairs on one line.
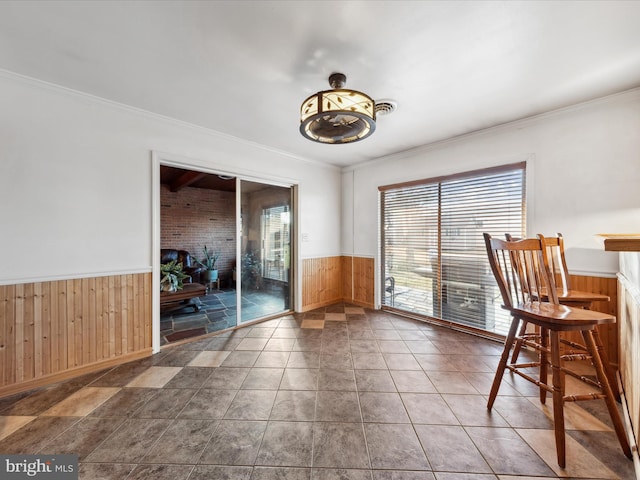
[[338, 393]]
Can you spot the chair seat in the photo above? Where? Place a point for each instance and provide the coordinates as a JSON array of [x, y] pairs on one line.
[[577, 298], [559, 317]]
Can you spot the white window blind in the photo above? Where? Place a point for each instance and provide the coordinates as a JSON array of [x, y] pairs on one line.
[[433, 255]]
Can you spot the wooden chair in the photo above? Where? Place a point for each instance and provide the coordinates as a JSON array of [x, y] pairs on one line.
[[567, 296], [521, 269]]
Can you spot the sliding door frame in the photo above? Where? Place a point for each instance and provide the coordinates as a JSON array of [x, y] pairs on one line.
[[159, 158]]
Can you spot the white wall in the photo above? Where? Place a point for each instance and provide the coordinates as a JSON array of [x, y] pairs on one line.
[[583, 169], [76, 182]]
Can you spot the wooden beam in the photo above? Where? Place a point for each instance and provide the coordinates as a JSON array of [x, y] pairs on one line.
[[186, 179]]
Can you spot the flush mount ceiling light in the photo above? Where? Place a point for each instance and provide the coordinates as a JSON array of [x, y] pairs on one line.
[[339, 115]]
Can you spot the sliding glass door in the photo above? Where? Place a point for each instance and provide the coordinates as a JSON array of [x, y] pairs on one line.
[[265, 250], [434, 262]]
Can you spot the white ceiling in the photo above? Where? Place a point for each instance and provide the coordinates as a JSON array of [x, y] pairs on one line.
[[244, 67]]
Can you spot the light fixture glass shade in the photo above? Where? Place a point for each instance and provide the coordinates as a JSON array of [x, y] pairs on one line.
[[337, 116]]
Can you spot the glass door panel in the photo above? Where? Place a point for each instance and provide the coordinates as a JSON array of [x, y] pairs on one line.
[[265, 216]]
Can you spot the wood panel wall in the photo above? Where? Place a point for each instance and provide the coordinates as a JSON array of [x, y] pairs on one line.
[[608, 333], [329, 280], [55, 330]]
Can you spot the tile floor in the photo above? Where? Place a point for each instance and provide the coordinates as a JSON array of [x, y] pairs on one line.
[[338, 393]]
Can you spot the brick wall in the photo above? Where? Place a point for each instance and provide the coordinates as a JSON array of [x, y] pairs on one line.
[[194, 217]]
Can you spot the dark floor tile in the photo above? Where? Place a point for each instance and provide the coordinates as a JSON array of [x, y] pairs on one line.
[[299, 379], [394, 447], [208, 404], [168, 403], [304, 360], [364, 346], [234, 443], [519, 412], [130, 442], [364, 334], [393, 346], [125, 403], [428, 408], [337, 407], [190, 377], [412, 335], [263, 379], [465, 476], [340, 380], [451, 382], [400, 475], [471, 410], [183, 442], [305, 344], [369, 361], [337, 361], [104, 471], [223, 343], [401, 361], [224, 378], [272, 360], [287, 444], [374, 381], [506, 452], [382, 407], [434, 363], [241, 358], [286, 332], [178, 358], [294, 406], [35, 435], [209, 472], [119, 376], [421, 346], [412, 381], [449, 449], [281, 473], [160, 472], [251, 405], [83, 437], [339, 445], [41, 400], [340, 474]]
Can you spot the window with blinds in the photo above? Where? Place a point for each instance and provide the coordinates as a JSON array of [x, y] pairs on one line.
[[434, 261]]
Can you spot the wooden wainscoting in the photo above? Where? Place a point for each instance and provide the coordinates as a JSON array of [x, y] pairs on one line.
[[321, 282], [329, 280], [54, 330], [363, 280], [608, 333]]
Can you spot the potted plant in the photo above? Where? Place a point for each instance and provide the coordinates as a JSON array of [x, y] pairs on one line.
[[210, 273], [172, 276], [251, 271]]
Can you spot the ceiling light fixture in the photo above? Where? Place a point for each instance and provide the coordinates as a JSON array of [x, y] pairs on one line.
[[339, 115]]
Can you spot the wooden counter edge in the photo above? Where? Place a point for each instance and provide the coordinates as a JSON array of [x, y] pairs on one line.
[[620, 242]]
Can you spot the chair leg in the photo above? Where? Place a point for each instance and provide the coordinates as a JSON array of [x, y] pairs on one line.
[[502, 365], [518, 346], [606, 389], [544, 362], [558, 398], [613, 383]]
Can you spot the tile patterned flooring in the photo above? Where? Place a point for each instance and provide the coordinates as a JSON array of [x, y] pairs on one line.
[[338, 393]]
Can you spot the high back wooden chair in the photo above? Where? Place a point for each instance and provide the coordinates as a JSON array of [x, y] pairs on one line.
[[522, 272], [566, 296]]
